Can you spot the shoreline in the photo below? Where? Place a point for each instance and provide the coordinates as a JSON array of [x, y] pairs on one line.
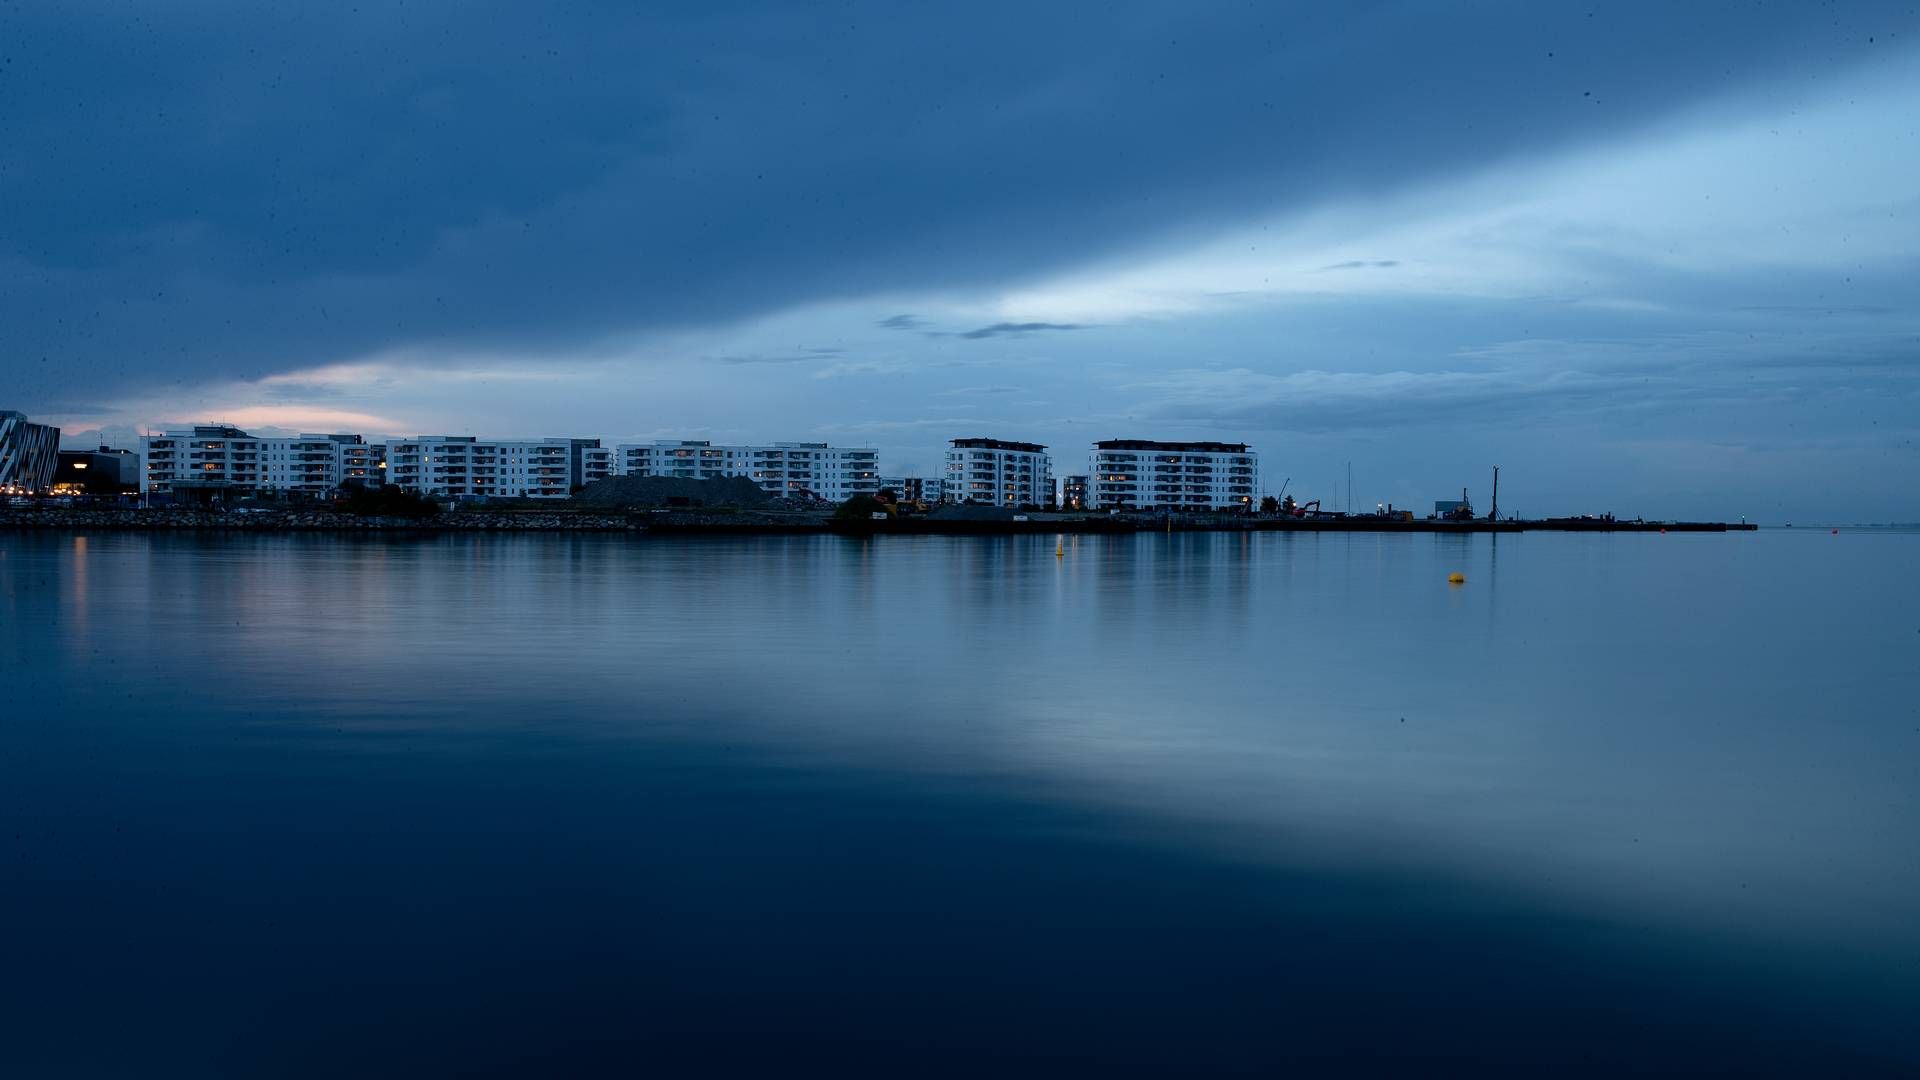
[[691, 523]]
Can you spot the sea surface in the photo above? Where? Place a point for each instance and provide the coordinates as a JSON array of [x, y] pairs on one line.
[[1188, 805]]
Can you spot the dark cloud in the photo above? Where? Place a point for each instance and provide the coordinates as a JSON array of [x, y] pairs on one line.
[[901, 322], [1000, 328], [298, 390], [1548, 384], [1360, 264], [194, 190], [74, 408]]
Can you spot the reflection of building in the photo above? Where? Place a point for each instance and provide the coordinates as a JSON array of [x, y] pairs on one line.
[[1143, 474], [1073, 493], [832, 472], [29, 454], [914, 488], [999, 472], [97, 472]]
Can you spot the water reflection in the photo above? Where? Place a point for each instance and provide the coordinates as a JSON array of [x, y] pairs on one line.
[[1617, 753]]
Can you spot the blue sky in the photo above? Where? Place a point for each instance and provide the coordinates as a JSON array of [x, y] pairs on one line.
[[1648, 258]]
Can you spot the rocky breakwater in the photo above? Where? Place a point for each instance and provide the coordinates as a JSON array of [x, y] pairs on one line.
[[80, 519]]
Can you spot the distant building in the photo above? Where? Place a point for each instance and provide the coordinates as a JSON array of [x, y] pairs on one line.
[[596, 462], [999, 472], [588, 461], [316, 464], [29, 454], [914, 488], [835, 473], [466, 467], [1073, 493], [1142, 474], [207, 461], [211, 460], [97, 472]]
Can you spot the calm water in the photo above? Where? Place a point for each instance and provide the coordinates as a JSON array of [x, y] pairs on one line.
[[1181, 805]]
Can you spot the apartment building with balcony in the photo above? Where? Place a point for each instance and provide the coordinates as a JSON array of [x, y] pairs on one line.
[[999, 472], [210, 459], [596, 461], [317, 464], [220, 458], [1142, 474], [835, 473], [467, 467], [1075, 493]]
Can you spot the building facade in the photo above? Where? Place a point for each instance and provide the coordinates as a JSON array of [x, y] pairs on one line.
[[1074, 493], [207, 459], [834, 473], [1141, 474], [317, 464], [218, 458], [29, 454], [926, 489], [97, 472], [999, 472], [596, 462], [466, 467]]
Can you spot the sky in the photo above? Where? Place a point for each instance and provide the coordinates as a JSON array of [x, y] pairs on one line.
[[1648, 258]]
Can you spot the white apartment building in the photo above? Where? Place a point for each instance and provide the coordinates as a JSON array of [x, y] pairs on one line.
[[466, 467], [317, 464], [596, 462], [207, 457], [835, 473], [999, 472], [223, 458], [1140, 474]]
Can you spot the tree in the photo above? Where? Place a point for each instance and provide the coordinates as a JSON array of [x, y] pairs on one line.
[[1269, 505]]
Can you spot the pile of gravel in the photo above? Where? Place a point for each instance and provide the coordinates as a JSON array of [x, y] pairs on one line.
[[649, 491]]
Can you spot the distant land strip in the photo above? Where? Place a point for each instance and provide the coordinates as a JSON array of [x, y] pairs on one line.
[[686, 522]]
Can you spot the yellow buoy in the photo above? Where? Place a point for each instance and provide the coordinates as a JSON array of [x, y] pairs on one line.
[[1060, 550], [1456, 578]]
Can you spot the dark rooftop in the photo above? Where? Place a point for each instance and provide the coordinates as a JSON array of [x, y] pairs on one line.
[[997, 444], [1172, 447]]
